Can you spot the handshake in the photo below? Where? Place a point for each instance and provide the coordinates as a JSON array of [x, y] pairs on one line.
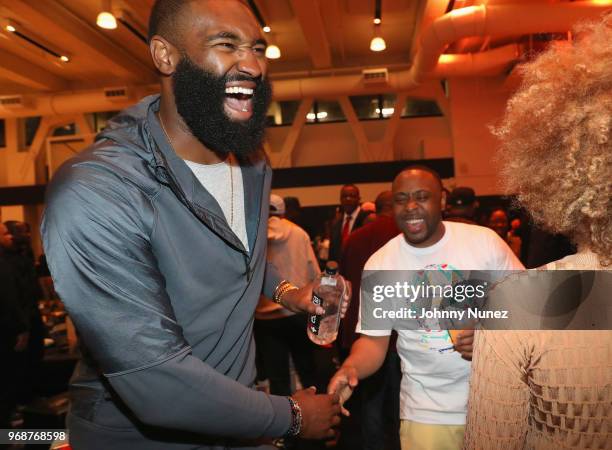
[[321, 413]]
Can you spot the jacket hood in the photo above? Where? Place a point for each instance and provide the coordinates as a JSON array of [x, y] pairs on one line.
[[128, 117]]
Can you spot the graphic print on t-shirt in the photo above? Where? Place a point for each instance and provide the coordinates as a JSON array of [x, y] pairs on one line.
[[432, 337]]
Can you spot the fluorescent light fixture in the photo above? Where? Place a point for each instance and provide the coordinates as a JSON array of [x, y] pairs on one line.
[[106, 20], [18, 32], [267, 29], [386, 111], [378, 44], [320, 115], [273, 52], [447, 58]]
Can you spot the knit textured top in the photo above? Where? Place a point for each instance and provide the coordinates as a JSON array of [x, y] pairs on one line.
[[542, 389]]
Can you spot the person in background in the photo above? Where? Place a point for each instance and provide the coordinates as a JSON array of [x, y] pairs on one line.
[[278, 331], [378, 393], [498, 222], [21, 258], [14, 330], [322, 243], [362, 244], [293, 213], [550, 390], [462, 205], [350, 218], [434, 386], [370, 208]]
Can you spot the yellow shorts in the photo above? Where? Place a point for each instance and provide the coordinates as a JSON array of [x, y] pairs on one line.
[[424, 436]]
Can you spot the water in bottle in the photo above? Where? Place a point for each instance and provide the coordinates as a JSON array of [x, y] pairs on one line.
[[328, 292]]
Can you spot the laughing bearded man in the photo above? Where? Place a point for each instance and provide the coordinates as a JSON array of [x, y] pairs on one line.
[[156, 239]]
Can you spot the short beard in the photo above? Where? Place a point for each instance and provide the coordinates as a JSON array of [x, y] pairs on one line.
[[199, 96]]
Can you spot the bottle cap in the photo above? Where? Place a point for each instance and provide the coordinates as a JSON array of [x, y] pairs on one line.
[[331, 268]]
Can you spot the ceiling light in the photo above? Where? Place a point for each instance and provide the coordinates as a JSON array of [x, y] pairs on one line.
[[17, 32], [273, 52], [320, 115], [267, 29], [386, 111], [106, 20], [446, 58], [378, 44]]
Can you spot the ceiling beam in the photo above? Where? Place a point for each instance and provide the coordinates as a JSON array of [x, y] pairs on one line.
[[23, 72], [308, 14], [333, 9], [140, 9], [73, 35]]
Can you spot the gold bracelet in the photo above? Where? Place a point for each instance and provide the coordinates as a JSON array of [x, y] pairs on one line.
[[283, 287]]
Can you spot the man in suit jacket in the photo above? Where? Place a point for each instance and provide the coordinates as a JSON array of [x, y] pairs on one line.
[[351, 219]]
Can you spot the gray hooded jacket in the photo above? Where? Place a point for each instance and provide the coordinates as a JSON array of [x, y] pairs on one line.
[[162, 293]]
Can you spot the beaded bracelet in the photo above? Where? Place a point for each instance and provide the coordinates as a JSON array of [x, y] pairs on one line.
[[296, 419], [283, 287]]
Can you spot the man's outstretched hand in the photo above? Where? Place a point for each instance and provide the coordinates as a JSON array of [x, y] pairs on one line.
[[300, 300], [320, 414], [342, 383]]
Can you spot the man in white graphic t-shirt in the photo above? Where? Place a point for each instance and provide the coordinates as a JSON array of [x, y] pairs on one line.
[[434, 389]]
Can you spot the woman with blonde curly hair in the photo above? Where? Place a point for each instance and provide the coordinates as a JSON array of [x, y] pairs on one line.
[[553, 389]]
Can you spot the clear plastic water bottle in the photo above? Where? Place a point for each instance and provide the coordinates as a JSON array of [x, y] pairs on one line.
[[329, 293]]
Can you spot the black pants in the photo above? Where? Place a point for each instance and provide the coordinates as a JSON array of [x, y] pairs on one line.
[[8, 379], [276, 339], [28, 363], [380, 422]]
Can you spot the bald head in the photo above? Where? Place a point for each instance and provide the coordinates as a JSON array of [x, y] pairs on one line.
[[384, 203], [168, 18], [165, 19], [417, 206]]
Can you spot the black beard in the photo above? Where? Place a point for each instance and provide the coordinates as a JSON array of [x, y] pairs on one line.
[[199, 96]]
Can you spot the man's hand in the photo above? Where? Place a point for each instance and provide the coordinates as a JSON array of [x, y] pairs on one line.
[[343, 383], [320, 414], [300, 300], [464, 344], [22, 341]]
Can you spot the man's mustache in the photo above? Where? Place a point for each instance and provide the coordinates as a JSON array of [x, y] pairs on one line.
[[240, 77]]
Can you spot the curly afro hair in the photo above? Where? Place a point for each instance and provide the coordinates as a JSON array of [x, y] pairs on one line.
[[556, 150]]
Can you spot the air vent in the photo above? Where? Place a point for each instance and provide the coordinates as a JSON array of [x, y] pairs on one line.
[[117, 94], [375, 76], [13, 102]]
